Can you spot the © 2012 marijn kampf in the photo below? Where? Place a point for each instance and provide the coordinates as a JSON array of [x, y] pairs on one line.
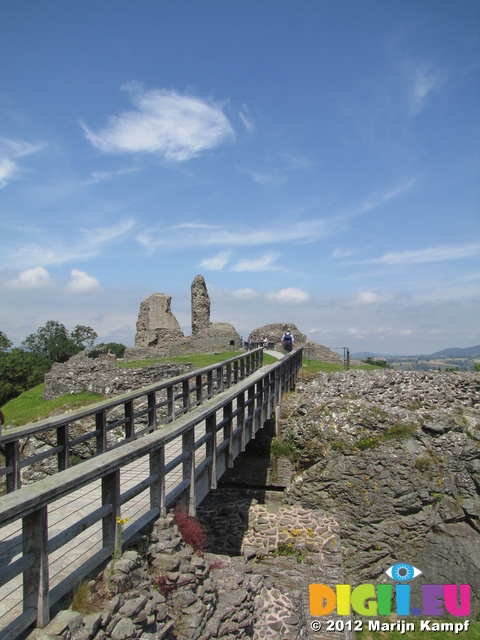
[[372, 601]]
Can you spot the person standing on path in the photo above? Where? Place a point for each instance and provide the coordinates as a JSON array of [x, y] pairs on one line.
[[288, 342]]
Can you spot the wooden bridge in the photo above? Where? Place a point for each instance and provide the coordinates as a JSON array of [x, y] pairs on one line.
[[179, 436]]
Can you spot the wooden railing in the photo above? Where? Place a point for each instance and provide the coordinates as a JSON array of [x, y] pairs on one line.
[[155, 405], [210, 437]]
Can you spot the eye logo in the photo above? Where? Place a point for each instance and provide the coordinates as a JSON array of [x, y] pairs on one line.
[[402, 572]]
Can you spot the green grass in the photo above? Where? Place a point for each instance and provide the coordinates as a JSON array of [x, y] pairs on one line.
[[30, 406], [473, 632]]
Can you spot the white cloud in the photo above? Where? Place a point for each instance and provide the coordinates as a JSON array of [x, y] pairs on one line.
[[177, 127], [35, 278], [272, 178], [368, 297], [10, 150], [81, 282], [103, 176], [291, 295], [263, 263], [247, 121], [50, 249], [216, 263], [245, 294], [439, 253], [425, 81]]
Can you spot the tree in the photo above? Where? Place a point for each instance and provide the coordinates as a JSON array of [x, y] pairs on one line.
[[5, 343], [53, 341], [19, 371], [117, 348], [83, 336]]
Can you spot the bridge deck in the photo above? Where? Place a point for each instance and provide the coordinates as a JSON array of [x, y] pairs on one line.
[[200, 445], [66, 512]]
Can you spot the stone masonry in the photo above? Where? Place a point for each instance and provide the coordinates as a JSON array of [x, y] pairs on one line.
[[156, 324], [200, 305]]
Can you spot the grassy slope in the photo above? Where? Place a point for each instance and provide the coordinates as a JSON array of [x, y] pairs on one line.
[[30, 406]]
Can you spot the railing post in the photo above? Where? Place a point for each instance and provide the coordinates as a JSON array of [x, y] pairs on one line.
[[235, 372], [171, 403], [258, 408], [228, 375], [188, 444], [63, 456], [264, 400], [152, 411], [241, 418], [199, 387], [157, 490], [251, 410], [129, 421], [209, 384], [228, 432], [35, 579], [186, 394], [12, 459], [242, 367], [211, 447], [111, 495], [220, 379], [101, 427]]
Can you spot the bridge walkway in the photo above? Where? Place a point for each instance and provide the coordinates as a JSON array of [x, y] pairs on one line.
[[74, 542]]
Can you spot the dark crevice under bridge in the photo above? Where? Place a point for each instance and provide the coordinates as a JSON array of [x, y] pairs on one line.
[[59, 530]]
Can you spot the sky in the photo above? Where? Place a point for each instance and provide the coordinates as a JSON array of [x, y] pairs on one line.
[[317, 162]]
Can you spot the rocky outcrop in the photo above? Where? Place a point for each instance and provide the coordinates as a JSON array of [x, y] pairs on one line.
[[164, 589], [102, 375], [200, 305], [275, 331], [396, 457], [156, 324], [312, 350]]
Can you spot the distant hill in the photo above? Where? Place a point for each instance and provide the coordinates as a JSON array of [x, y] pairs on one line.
[[468, 352], [453, 352]]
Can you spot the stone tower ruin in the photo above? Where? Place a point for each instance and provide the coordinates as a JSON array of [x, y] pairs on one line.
[[200, 306]]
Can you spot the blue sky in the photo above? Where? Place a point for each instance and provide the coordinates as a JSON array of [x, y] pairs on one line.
[[318, 163]]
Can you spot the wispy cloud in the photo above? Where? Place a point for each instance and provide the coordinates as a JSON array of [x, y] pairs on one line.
[[10, 150], [246, 119], [50, 249], [216, 263], [177, 127], [82, 282], [289, 296], [263, 263], [425, 80], [368, 297], [439, 253], [245, 294], [103, 176], [272, 178]]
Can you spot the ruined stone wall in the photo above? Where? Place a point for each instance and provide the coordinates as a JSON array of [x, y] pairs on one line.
[[101, 375], [156, 324]]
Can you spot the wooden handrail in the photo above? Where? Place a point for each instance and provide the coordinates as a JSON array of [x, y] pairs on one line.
[[249, 362], [245, 407]]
